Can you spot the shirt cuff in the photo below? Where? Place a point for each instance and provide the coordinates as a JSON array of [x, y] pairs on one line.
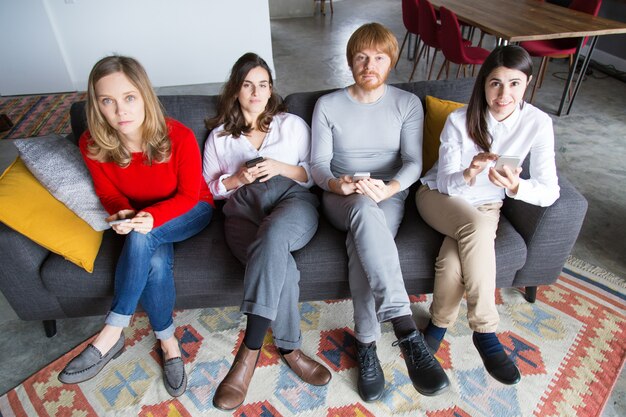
[[522, 188]]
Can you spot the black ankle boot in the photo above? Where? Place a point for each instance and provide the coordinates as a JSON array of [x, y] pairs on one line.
[[498, 364], [371, 381], [426, 373]]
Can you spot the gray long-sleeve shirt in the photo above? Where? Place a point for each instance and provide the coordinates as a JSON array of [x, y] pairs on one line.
[[383, 138]]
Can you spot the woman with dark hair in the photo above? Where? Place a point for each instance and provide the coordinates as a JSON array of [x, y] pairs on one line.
[[257, 158], [462, 194], [147, 173]]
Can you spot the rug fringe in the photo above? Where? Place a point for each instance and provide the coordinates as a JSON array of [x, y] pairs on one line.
[[596, 271]]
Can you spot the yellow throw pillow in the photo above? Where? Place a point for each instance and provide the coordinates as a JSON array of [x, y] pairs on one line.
[[437, 111], [27, 207]]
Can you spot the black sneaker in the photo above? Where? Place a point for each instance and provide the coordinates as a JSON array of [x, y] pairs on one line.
[[499, 365], [371, 381], [426, 373]]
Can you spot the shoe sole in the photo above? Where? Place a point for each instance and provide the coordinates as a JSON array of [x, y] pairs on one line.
[[432, 393]]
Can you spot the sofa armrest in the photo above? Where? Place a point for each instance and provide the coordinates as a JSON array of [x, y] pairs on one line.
[[20, 280], [549, 233]]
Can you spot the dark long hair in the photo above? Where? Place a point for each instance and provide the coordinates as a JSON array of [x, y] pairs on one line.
[[510, 56], [228, 109]]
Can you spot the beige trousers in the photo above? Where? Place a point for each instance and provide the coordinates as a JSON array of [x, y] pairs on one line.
[[466, 261]]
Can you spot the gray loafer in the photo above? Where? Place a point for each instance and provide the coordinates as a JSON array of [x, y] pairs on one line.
[[89, 363], [174, 377]]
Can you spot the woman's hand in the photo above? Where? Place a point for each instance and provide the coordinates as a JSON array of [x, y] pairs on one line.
[[478, 165], [342, 185], [375, 189], [507, 178], [244, 176], [122, 228], [143, 222], [268, 168]]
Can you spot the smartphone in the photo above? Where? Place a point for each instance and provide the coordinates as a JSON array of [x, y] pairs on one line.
[[510, 161], [251, 163], [114, 222], [360, 176]]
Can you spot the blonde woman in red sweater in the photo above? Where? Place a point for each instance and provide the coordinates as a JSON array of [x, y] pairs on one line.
[[147, 172]]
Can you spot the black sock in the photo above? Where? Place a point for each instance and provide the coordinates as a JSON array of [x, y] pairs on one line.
[[488, 343], [255, 331], [403, 326], [285, 351]]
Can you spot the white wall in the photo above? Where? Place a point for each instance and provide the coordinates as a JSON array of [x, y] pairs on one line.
[[179, 42]]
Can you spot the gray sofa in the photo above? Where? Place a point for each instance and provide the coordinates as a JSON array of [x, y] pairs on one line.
[[532, 243]]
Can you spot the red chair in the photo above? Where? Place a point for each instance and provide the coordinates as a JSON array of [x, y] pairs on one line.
[[559, 48], [429, 33], [453, 46], [410, 15]]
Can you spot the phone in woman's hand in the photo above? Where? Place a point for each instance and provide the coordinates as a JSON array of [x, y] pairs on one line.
[[253, 162], [510, 161]]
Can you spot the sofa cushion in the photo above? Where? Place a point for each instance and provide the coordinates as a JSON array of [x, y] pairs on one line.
[[437, 111], [59, 167], [27, 207]]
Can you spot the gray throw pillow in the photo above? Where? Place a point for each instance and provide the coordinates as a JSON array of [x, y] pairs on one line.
[[59, 167]]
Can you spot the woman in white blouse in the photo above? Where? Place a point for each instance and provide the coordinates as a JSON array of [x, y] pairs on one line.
[[462, 194], [257, 158]]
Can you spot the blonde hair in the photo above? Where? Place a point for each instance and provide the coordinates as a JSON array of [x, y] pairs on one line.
[[376, 36], [106, 144]]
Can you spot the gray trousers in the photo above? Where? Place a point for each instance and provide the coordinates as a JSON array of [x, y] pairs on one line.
[[264, 223], [376, 282]]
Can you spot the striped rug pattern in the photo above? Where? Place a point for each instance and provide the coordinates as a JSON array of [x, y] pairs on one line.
[[38, 115]]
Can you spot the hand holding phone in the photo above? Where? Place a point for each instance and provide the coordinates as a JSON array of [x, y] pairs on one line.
[[114, 222], [510, 161]]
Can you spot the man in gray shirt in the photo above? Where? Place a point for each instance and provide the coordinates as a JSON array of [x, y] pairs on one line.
[[375, 130]]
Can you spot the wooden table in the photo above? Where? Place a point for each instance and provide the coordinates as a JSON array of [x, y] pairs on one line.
[[513, 21]]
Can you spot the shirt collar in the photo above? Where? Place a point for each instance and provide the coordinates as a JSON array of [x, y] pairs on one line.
[[507, 123]]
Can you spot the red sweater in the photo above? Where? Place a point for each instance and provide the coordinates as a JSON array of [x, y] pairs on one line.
[[165, 190]]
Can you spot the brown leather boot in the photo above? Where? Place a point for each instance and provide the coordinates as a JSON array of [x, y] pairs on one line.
[[307, 369], [232, 391]]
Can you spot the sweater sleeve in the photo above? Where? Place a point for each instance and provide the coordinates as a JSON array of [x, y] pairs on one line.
[[411, 137], [111, 198], [321, 147], [188, 168]]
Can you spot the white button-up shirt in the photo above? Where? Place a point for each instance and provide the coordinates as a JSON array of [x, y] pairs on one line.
[[527, 130], [288, 141]]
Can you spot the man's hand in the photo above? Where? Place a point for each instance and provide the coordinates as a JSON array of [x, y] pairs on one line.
[[508, 180], [375, 189], [342, 185], [478, 164]]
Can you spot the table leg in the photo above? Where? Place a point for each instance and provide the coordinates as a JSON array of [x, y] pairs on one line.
[[572, 71], [583, 71]]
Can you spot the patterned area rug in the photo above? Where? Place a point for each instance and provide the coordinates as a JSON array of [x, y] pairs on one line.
[[38, 115], [570, 347]]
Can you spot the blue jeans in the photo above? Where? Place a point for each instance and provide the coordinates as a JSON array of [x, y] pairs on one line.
[[144, 271]]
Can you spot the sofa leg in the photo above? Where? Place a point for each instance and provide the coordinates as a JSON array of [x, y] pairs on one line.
[[50, 326], [531, 294]]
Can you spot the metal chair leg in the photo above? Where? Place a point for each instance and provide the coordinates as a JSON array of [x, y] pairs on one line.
[[432, 64], [417, 60], [538, 81], [402, 47]]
